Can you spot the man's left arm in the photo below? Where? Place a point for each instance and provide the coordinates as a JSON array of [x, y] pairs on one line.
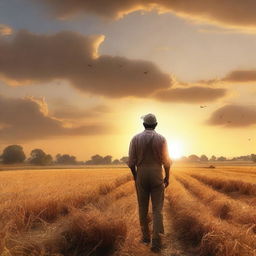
[[167, 163]]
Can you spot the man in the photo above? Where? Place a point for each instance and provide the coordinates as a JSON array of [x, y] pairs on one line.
[[147, 154]]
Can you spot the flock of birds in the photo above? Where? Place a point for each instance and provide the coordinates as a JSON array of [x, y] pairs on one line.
[[120, 66], [221, 116], [201, 106]]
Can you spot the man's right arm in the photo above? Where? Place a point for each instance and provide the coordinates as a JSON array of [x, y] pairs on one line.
[[132, 159]]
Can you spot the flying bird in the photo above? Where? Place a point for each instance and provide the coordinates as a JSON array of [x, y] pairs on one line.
[[145, 72], [203, 106], [90, 65]]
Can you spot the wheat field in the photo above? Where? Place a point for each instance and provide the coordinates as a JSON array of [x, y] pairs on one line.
[[75, 212]]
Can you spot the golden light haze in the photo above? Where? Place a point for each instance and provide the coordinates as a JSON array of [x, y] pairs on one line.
[[75, 77]]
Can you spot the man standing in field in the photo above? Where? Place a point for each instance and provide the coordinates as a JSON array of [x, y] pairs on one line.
[[147, 154]]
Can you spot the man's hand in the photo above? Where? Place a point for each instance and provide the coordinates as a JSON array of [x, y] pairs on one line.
[[166, 182], [134, 172], [135, 176]]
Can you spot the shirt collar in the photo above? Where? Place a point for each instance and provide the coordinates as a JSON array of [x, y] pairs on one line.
[[149, 130]]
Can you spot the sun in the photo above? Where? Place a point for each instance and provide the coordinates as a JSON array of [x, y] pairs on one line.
[[175, 148]]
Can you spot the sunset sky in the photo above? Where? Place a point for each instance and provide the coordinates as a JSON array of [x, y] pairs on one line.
[[76, 76]]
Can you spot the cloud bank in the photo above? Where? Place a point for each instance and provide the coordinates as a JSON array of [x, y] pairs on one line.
[[5, 30], [29, 57], [234, 116], [195, 94], [28, 119], [229, 13]]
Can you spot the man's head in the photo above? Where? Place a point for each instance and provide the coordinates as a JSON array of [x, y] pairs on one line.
[[149, 121]]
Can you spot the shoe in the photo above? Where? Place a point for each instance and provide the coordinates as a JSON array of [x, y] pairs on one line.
[[145, 241], [155, 249], [156, 245]]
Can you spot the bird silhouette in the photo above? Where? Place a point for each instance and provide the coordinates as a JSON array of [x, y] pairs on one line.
[[90, 65], [203, 106], [145, 72]]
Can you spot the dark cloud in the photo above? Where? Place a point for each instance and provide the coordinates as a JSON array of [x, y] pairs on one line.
[[231, 13], [241, 76], [234, 116], [5, 30], [236, 76], [195, 94], [28, 119], [71, 56], [70, 112]]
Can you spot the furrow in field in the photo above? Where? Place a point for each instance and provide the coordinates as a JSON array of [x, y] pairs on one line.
[[205, 234], [227, 185], [233, 211], [89, 213]]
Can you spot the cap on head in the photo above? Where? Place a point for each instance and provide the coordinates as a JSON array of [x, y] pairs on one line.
[[149, 119]]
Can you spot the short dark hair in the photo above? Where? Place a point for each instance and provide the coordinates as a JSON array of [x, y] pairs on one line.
[[150, 126]]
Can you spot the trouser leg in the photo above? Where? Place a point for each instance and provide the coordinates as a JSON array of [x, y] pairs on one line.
[[143, 201], [157, 198]]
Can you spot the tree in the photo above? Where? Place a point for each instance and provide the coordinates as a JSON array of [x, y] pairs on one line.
[[39, 157], [65, 159], [116, 161], [193, 158], [124, 159], [13, 154], [253, 157], [213, 158], [204, 158], [221, 158], [107, 159], [97, 160]]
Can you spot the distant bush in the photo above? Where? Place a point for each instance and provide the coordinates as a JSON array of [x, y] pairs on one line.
[[13, 154], [39, 157]]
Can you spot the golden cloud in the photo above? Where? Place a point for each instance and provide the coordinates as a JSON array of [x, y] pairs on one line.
[[28, 119], [229, 13], [234, 116], [5, 30], [194, 94], [74, 57]]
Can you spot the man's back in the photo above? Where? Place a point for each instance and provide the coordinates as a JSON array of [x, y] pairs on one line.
[[143, 142]]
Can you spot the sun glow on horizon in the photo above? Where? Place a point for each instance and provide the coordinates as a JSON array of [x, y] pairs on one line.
[[175, 148]]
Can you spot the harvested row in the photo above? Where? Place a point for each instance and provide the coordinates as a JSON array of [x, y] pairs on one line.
[[206, 234], [234, 211], [27, 211], [227, 185], [86, 230], [80, 232]]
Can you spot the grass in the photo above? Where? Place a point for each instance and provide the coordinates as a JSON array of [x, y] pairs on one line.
[[80, 212]]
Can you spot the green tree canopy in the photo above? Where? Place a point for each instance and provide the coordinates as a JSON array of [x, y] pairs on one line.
[[13, 154], [39, 157]]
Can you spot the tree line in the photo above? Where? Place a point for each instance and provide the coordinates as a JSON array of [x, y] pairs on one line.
[[14, 154], [204, 158]]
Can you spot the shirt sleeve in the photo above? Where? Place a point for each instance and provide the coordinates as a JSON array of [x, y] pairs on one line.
[[132, 154], [167, 162]]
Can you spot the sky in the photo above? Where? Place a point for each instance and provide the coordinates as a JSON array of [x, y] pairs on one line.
[[76, 76]]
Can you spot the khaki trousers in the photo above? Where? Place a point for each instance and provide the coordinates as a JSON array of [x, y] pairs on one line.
[[149, 184]]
